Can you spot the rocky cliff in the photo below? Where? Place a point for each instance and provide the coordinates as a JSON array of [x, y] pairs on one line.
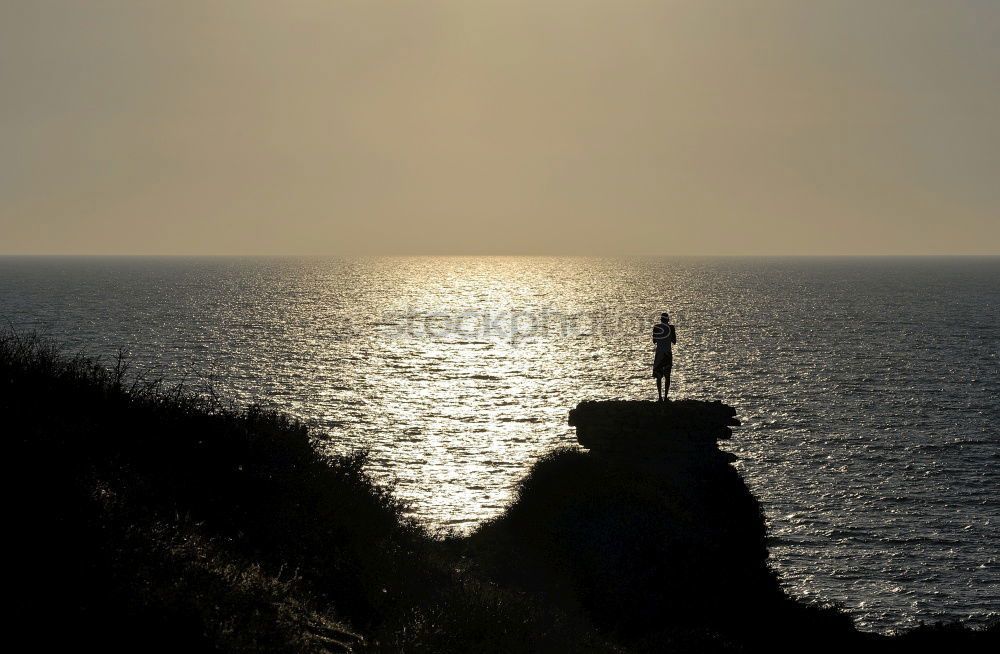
[[651, 533]]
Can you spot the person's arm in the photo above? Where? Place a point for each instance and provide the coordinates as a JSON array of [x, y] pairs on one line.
[[673, 334]]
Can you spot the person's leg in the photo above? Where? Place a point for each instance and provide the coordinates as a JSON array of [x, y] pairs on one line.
[[666, 381], [659, 388]]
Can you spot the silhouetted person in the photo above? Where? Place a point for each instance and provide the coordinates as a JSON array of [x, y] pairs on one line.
[[664, 335]]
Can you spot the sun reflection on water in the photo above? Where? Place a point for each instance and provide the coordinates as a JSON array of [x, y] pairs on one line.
[[457, 373]]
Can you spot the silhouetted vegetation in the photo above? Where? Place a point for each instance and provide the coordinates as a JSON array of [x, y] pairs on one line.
[[153, 518], [149, 518]]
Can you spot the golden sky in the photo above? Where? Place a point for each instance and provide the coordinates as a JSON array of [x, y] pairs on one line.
[[500, 126]]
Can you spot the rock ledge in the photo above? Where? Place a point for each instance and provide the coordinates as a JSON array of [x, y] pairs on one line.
[[631, 427]]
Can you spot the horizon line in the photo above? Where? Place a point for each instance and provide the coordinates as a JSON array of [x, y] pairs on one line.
[[262, 255]]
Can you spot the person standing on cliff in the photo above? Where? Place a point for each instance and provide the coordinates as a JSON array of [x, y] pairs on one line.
[[664, 335]]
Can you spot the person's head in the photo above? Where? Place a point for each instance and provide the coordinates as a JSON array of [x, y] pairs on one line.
[[664, 317]]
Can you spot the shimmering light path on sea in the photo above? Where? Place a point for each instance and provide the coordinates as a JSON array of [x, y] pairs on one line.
[[867, 386]]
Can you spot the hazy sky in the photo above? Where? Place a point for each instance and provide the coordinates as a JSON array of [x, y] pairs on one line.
[[506, 126]]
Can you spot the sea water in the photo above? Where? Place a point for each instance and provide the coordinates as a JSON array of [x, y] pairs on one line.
[[868, 387]]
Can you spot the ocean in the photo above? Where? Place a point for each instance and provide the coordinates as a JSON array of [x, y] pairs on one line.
[[869, 388]]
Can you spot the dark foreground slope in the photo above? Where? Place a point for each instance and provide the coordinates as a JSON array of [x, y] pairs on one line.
[[151, 520], [147, 519]]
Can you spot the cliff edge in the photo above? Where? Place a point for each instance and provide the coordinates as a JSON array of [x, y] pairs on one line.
[[684, 431]]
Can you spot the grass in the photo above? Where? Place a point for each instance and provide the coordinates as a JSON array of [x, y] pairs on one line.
[[156, 517]]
